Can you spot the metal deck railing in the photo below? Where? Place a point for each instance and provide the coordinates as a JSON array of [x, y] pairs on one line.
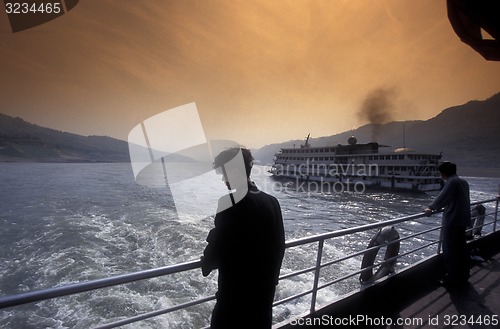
[[491, 218]]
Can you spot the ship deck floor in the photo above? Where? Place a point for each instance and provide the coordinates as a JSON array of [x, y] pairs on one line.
[[443, 308]]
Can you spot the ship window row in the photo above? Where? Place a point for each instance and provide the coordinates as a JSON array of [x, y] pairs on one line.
[[387, 157], [308, 150], [404, 168], [396, 168], [330, 166], [307, 158], [371, 157], [338, 159], [423, 157], [402, 156]]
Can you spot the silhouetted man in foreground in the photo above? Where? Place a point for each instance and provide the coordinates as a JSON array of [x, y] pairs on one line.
[[455, 199], [246, 245]]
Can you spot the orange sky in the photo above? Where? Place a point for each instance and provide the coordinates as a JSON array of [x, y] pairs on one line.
[[259, 71]]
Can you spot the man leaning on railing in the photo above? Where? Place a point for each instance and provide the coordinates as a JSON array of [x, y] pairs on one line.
[[246, 245], [455, 199]]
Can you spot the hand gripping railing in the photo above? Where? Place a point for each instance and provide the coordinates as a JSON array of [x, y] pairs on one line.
[[39, 295]]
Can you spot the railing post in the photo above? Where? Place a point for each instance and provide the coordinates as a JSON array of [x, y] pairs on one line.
[[496, 215], [316, 275]]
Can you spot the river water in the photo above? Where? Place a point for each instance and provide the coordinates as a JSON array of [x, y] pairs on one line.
[[67, 223]]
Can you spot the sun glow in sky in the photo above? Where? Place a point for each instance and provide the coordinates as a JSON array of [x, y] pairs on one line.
[[259, 71]]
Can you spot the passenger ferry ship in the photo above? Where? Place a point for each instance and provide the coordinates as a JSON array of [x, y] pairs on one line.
[[366, 164]]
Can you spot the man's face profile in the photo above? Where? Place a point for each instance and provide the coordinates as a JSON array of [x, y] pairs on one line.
[[233, 172]]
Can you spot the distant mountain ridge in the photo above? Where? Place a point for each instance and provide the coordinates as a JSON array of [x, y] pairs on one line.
[[467, 134], [21, 141]]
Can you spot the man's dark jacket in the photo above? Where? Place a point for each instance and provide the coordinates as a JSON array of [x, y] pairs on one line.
[[247, 246], [455, 199]]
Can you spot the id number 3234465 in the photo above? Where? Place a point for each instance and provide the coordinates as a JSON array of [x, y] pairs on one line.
[[462, 320], [33, 7]]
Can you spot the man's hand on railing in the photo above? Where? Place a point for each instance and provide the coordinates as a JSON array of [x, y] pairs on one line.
[[428, 211]]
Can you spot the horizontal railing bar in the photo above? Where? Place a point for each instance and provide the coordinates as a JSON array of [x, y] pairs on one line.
[[471, 229], [377, 225], [296, 273], [287, 299], [357, 229], [359, 253], [351, 274], [345, 277], [485, 224], [148, 315], [484, 201], [38, 295], [486, 215], [403, 254], [399, 255], [413, 235], [418, 234], [419, 248], [373, 266], [338, 260]]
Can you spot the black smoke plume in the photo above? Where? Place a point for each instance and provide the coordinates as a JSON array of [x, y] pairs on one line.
[[377, 109]]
